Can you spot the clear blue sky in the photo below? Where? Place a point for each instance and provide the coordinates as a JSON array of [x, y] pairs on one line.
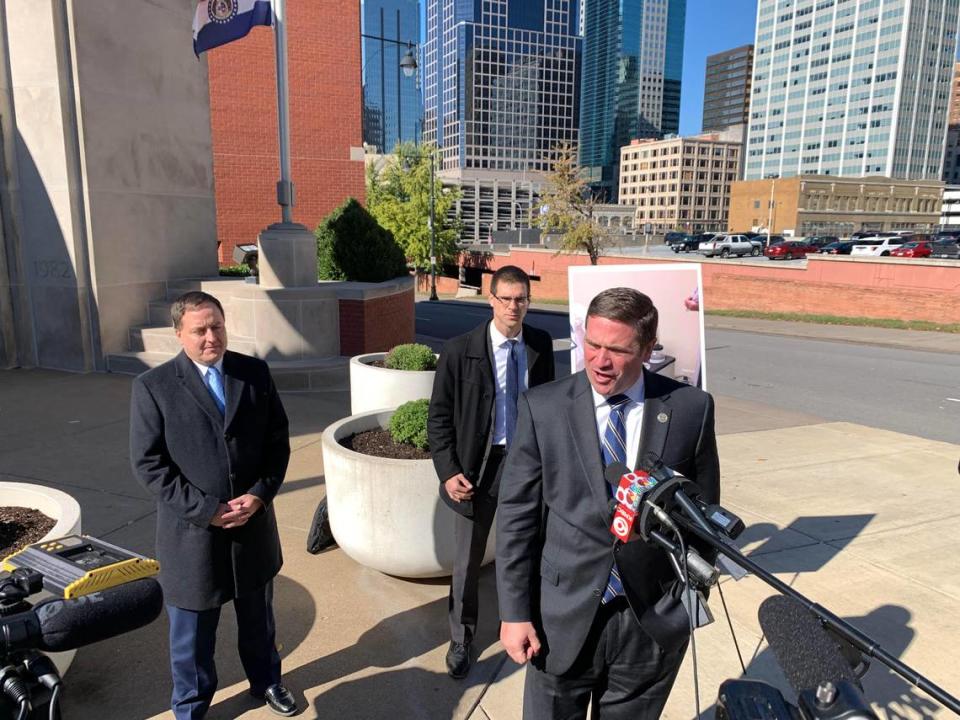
[[712, 26]]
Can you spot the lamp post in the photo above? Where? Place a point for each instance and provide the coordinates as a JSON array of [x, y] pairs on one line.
[[407, 65], [431, 222]]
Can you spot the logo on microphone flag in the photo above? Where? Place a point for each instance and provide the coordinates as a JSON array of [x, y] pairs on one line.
[[217, 22]]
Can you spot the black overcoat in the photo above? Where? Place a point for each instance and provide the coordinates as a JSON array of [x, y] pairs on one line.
[[461, 405], [191, 459]]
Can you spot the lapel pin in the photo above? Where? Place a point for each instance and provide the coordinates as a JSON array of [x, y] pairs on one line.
[[662, 417]]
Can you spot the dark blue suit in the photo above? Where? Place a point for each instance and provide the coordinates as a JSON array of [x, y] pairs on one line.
[[191, 459]]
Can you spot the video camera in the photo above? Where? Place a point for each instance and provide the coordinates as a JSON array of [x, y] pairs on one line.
[[98, 591], [822, 656]]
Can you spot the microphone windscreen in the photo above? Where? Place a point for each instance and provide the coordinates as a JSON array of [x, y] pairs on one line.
[[614, 471], [805, 652], [69, 624]]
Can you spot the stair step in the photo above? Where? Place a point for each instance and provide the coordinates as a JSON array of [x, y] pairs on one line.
[[330, 375], [153, 338]]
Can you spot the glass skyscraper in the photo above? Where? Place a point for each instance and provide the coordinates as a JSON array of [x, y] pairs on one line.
[[632, 68], [851, 87], [392, 111], [501, 82]]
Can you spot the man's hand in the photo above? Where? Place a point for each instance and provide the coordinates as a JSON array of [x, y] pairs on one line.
[[520, 640], [218, 519], [459, 488], [240, 509]]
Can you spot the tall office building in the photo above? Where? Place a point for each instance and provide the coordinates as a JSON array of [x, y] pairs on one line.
[[726, 89], [392, 111], [632, 66], [851, 87], [501, 84], [951, 153]]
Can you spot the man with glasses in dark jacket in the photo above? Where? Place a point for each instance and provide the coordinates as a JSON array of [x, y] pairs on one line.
[[473, 414]]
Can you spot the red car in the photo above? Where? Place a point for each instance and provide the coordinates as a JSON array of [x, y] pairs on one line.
[[918, 249], [789, 250]]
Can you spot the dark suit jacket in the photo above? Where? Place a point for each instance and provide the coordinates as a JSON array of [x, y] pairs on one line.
[[554, 546], [461, 406], [191, 459]]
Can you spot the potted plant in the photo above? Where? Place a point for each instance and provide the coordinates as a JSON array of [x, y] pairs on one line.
[[385, 380], [385, 511], [64, 510]]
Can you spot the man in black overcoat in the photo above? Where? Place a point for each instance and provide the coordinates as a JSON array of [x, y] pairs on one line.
[[473, 412], [209, 440]]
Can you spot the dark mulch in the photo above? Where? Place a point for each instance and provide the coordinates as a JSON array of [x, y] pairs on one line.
[[377, 363], [379, 444], [20, 526]]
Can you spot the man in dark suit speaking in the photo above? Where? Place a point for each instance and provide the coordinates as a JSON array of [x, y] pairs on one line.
[[601, 621], [209, 440], [473, 412]]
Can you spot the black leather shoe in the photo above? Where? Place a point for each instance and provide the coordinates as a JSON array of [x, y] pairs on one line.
[[458, 660], [280, 700]]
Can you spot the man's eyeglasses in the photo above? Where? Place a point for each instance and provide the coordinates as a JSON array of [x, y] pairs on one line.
[[520, 300]]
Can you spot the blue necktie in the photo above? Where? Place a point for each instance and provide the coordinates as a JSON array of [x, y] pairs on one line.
[[215, 386], [513, 391], [614, 449]]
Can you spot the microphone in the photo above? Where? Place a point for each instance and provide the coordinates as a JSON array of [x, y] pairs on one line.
[[630, 487], [804, 650], [57, 625]]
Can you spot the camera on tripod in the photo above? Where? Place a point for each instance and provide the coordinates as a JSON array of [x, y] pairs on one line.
[[99, 591]]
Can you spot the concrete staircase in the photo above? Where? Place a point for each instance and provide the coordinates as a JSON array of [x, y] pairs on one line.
[[155, 342]]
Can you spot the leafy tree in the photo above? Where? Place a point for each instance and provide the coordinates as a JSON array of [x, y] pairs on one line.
[[352, 246], [566, 209], [398, 196]]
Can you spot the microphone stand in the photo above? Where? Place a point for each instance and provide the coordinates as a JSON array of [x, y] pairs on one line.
[[835, 624]]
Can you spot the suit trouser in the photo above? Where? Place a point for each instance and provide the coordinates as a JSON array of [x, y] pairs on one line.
[[193, 636], [620, 673], [470, 538]]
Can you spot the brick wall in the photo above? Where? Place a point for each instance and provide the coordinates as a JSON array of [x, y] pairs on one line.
[[324, 78], [377, 324], [880, 288]]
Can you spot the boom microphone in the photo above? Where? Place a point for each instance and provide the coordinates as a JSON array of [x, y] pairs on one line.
[[801, 645], [57, 625]]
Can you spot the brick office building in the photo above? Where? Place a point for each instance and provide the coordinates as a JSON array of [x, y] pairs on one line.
[[323, 53]]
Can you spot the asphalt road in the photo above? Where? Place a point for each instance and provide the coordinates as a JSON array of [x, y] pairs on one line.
[[912, 392]]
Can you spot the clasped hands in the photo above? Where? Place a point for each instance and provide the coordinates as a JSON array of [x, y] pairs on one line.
[[235, 513]]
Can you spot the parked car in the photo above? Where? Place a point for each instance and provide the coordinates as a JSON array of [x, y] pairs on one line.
[[913, 249], [672, 237], [880, 246], [840, 247], [727, 245], [864, 234], [819, 241], [788, 250], [685, 243], [948, 249]]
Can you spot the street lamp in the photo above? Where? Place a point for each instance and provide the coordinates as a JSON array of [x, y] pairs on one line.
[[407, 65]]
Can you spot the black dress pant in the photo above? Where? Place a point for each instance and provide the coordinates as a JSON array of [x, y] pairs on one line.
[[620, 673], [470, 536]]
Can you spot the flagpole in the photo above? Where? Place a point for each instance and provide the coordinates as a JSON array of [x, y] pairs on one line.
[[285, 192]]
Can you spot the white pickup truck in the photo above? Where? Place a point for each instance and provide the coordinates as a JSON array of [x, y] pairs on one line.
[[727, 245]]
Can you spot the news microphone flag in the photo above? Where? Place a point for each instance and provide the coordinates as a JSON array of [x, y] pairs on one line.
[[217, 22]]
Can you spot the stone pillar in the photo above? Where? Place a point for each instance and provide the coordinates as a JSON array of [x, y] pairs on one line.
[[288, 256]]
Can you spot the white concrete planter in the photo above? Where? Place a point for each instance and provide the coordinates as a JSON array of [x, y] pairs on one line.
[[387, 514], [376, 388], [62, 508]]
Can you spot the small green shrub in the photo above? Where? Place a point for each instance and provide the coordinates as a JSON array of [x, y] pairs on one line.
[[351, 245], [412, 356], [409, 423], [240, 270]]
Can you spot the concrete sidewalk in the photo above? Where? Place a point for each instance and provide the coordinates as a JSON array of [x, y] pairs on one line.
[[854, 517]]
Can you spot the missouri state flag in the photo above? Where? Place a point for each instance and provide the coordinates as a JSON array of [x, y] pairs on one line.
[[218, 22]]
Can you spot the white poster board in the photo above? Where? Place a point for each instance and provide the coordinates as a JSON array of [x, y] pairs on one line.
[[676, 290]]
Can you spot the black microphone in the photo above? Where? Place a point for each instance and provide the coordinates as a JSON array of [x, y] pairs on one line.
[[57, 625], [804, 650], [653, 465]]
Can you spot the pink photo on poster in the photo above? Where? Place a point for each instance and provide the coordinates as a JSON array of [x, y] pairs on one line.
[[676, 289]]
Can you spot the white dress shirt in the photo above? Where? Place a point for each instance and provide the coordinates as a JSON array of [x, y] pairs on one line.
[[632, 418], [204, 369], [501, 355]]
